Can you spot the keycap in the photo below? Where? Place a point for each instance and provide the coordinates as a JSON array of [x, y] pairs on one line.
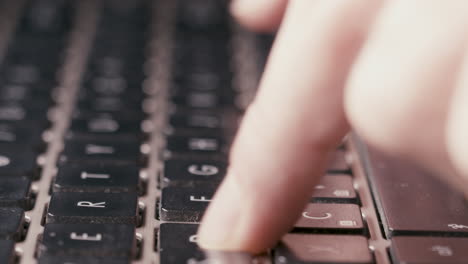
[[45, 17], [412, 201], [185, 204], [109, 82], [12, 223], [95, 151], [177, 243], [97, 178], [109, 104], [11, 112], [319, 249], [196, 145], [21, 134], [97, 240], [48, 259], [24, 94], [104, 126], [192, 119], [95, 208], [338, 162], [131, 115], [20, 68], [200, 100], [7, 254], [109, 67], [202, 81], [191, 173], [202, 15], [17, 160], [198, 77], [15, 192], [335, 188], [429, 250], [201, 53], [343, 217]]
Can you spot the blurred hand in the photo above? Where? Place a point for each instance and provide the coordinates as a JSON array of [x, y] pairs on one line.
[[395, 71]]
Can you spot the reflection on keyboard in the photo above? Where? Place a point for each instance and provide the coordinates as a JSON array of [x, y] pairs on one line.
[[116, 119]]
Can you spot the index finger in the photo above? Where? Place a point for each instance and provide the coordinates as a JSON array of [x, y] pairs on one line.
[[295, 120]]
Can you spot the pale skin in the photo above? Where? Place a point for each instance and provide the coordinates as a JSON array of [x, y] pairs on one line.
[[393, 71]]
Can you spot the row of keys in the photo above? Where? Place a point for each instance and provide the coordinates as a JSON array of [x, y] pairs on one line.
[[177, 244], [27, 82], [94, 210], [182, 204], [202, 95], [201, 126]]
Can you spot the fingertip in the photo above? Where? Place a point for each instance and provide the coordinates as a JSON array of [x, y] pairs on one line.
[[259, 15]]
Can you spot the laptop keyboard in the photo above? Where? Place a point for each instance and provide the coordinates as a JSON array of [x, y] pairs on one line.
[[116, 119]]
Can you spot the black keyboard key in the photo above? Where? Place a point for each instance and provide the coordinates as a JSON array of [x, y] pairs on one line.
[[95, 208], [178, 243], [109, 104], [414, 202], [196, 145], [200, 100], [97, 178], [341, 217], [191, 172], [46, 17], [98, 240], [320, 249], [185, 204], [15, 192], [21, 134], [104, 126], [203, 123], [335, 188], [108, 84], [20, 71], [48, 259], [11, 220], [7, 252], [110, 68], [202, 81], [202, 16], [37, 94], [132, 115], [429, 250], [111, 151], [17, 160], [197, 120], [13, 112]]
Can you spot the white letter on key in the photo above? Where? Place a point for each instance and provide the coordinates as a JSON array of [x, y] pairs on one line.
[[85, 237], [91, 204], [85, 175], [201, 199]]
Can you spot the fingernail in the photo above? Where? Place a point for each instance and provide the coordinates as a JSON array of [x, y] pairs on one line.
[[219, 228]]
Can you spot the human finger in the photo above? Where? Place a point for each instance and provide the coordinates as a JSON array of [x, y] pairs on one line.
[[295, 120]]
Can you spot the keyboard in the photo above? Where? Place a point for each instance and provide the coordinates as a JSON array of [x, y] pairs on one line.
[[116, 119]]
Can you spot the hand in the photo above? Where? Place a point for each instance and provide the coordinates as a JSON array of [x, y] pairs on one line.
[[395, 71]]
